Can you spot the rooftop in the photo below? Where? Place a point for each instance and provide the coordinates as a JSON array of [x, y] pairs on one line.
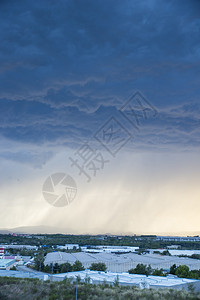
[[126, 278], [4, 263], [124, 261]]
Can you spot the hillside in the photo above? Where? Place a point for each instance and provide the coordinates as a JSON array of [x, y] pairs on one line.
[[28, 289]]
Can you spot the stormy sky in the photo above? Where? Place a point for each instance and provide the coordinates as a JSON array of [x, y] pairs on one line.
[[106, 92]]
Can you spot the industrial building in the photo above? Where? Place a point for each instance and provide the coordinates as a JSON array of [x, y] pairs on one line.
[[6, 264], [121, 262], [99, 249], [141, 281], [21, 274], [108, 249], [96, 277], [69, 246], [27, 247], [178, 238], [176, 252]]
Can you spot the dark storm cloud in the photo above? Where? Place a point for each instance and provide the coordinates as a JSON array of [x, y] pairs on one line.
[[66, 66]]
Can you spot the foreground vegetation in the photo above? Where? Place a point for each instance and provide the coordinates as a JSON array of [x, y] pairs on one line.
[[28, 289]]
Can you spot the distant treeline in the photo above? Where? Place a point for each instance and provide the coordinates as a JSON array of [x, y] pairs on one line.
[[51, 240], [66, 267], [180, 271]]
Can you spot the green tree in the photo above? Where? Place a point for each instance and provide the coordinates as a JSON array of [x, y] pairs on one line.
[[47, 269], [67, 267], [56, 268], [166, 252], [173, 269], [39, 262], [193, 274], [141, 269], [158, 272], [98, 267], [182, 271], [149, 270], [77, 266]]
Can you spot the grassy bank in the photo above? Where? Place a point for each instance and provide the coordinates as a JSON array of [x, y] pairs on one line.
[[14, 288]]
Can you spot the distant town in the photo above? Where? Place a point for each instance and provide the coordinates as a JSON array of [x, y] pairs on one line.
[[139, 260]]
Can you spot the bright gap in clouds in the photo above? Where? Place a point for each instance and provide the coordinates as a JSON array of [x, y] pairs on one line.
[[134, 193]]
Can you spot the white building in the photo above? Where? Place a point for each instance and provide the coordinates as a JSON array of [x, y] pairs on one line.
[[27, 247], [69, 247], [6, 264], [173, 247], [108, 249], [121, 262], [178, 238], [176, 252], [141, 281]]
